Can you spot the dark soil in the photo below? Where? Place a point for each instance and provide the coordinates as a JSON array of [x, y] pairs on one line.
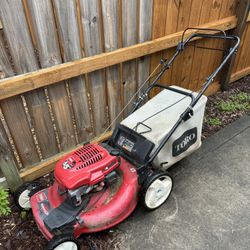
[[19, 231], [225, 118]]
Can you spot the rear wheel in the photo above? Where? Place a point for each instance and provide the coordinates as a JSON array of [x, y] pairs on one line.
[[23, 193], [63, 242], [156, 189]]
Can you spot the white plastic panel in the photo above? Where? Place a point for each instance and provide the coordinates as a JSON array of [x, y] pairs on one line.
[[162, 123]]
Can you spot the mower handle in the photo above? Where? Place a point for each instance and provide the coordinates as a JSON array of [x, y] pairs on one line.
[[189, 110], [203, 29]]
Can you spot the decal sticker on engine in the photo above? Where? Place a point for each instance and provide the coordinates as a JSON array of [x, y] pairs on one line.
[[187, 139]]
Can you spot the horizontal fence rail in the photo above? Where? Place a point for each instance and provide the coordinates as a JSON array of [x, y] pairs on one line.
[[30, 81]]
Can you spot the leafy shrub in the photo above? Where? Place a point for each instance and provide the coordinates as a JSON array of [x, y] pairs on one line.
[[4, 202]]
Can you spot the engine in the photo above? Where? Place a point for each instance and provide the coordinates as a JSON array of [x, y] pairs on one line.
[[87, 169]]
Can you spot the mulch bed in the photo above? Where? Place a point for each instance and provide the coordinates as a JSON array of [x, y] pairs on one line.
[[19, 231], [225, 118]]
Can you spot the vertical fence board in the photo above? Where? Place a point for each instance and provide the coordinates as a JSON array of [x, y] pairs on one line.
[[111, 42], [20, 46], [160, 14], [90, 17], [145, 24], [189, 51], [7, 162], [227, 9], [5, 65], [183, 20], [8, 166], [129, 37], [49, 54], [198, 53], [71, 50], [241, 63], [206, 55]]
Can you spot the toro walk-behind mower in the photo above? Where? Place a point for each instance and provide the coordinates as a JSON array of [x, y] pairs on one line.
[[99, 185]]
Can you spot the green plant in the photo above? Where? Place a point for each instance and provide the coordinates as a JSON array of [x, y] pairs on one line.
[[214, 121], [4, 202], [23, 214], [236, 102], [241, 97]]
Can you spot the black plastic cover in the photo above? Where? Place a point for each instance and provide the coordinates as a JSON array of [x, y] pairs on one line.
[[134, 147], [63, 215]]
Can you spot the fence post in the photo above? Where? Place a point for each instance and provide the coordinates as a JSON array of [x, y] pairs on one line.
[[241, 11], [7, 162]]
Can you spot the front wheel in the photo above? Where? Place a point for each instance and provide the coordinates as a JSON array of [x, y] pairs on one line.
[[23, 193], [156, 190], [63, 242]]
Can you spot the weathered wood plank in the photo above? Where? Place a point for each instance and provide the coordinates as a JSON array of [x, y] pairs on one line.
[[189, 51], [244, 52], [227, 9], [5, 65], [71, 50], [7, 162], [110, 16], [160, 14], [182, 23], [145, 25], [238, 75], [90, 17], [242, 12], [208, 55], [129, 37], [49, 54], [20, 47], [8, 166], [20, 84], [205, 55], [198, 53]]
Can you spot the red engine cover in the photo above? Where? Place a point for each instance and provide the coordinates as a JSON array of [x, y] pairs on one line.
[[85, 166]]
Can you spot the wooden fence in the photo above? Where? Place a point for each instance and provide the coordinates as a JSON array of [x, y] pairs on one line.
[[68, 67]]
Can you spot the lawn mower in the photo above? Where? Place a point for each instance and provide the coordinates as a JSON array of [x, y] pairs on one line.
[[99, 185]]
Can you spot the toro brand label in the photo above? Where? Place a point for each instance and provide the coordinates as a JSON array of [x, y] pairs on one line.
[[187, 139]]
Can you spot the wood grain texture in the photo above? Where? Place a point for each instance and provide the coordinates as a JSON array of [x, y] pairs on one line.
[[129, 38], [198, 59], [24, 60], [145, 24], [240, 74], [184, 14], [160, 14], [90, 17], [7, 162], [5, 65], [188, 55], [242, 13], [110, 15], [71, 50], [49, 55], [8, 166], [26, 82], [227, 9], [242, 59]]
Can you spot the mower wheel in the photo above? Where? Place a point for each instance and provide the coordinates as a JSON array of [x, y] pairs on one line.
[[63, 242], [23, 193], [156, 189]]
